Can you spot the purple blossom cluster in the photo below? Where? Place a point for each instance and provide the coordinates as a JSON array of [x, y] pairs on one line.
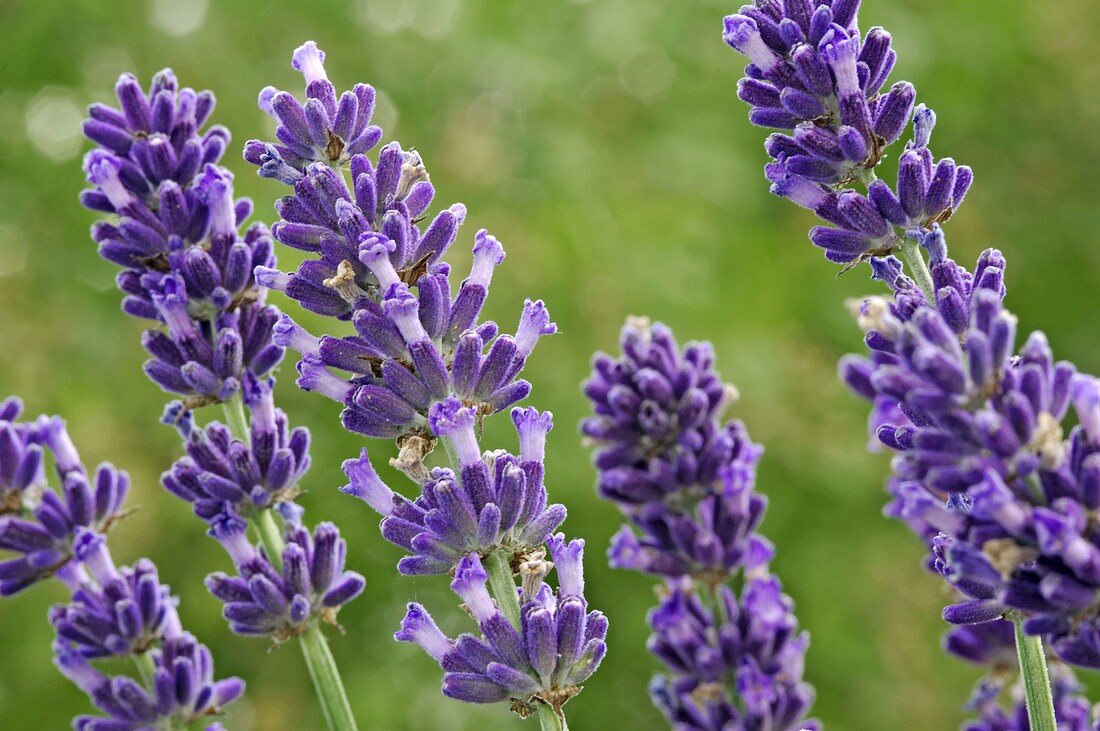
[[989, 468], [557, 645], [221, 469], [815, 76], [684, 481], [278, 596], [421, 368], [495, 502], [360, 222], [174, 234], [113, 612]]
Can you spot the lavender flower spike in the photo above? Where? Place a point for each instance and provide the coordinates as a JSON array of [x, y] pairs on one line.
[[113, 612], [558, 645], [684, 481], [184, 264], [370, 262]]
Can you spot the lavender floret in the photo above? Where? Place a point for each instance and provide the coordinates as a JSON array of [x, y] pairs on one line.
[[558, 645], [113, 612], [497, 502], [221, 469], [264, 599]]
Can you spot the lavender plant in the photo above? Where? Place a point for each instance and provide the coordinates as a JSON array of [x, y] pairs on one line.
[[987, 470], [58, 530], [684, 479], [419, 367], [187, 268]]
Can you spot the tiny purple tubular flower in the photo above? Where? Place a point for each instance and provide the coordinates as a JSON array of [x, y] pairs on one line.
[[558, 644], [39, 524], [498, 502], [753, 640], [176, 239], [684, 481], [184, 689], [220, 469], [261, 600], [822, 83]]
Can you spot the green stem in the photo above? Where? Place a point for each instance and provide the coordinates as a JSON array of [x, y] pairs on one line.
[[326, 680], [551, 721], [503, 585], [146, 669], [271, 537], [918, 268], [236, 417], [1033, 669]]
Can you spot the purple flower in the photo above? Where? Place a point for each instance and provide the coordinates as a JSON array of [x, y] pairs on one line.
[[751, 644], [264, 599], [325, 129], [372, 263], [112, 611], [682, 477], [184, 689], [21, 472], [176, 238], [685, 480], [556, 647], [815, 76], [497, 501], [41, 528], [220, 469]]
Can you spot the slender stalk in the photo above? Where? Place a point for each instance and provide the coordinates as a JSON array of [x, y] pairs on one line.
[[271, 537], [146, 669], [326, 680], [550, 721], [236, 417], [503, 586], [917, 268], [1033, 670]]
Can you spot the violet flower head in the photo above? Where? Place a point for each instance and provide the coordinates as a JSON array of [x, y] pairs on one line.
[[751, 643], [497, 502], [325, 128], [684, 480], [557, 646], [264, 599], [115, 612], [373, 264], [815, 76], [220, 469], [184, 689], [985, 472], [682, 477], [184, 264], [41, 529]]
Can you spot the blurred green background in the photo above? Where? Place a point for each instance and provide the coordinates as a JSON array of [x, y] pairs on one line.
[[603, 144]]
